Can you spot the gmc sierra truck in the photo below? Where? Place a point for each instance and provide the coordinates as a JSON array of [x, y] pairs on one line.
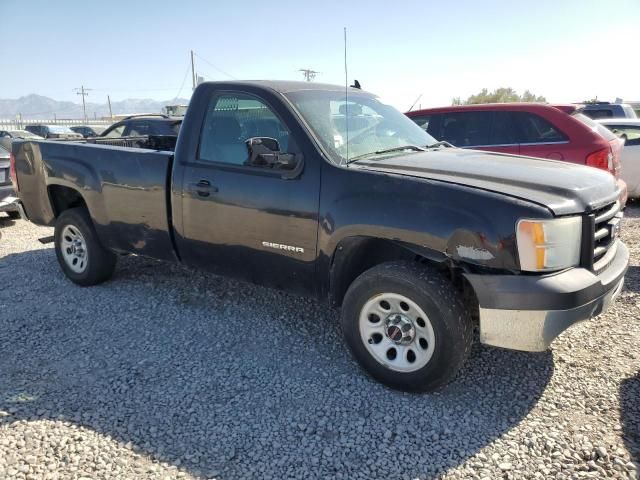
[[331, 193]]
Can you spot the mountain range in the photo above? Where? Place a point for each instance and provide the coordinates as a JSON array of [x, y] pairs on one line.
[[43, 108]]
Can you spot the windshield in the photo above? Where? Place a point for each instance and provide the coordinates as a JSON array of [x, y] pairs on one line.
[[97, 130], [372, 125], [59, 129]]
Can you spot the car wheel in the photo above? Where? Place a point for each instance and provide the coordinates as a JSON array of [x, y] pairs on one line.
[[80, 255], [407, 326], [14, 215]]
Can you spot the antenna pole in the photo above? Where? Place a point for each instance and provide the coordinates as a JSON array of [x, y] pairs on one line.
[[346, 92], [414, 103], [110, 111]]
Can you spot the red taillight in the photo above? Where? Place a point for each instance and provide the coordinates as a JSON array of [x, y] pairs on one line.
[[12, 172], [601, 159]]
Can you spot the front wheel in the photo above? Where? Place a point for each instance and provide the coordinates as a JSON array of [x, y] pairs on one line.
[[406, 326], [80, 255]]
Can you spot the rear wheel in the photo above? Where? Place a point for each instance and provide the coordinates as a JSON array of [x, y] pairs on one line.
[[406, 325], [82, 258]]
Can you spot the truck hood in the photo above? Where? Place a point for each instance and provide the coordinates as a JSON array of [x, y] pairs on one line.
[[563, 187]]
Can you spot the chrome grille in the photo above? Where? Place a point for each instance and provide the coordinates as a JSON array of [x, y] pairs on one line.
[[606, 231]]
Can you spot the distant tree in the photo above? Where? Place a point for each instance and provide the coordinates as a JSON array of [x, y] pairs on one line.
[[501, 95]]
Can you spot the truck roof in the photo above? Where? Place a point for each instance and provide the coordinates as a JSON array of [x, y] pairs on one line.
[[286, 86]]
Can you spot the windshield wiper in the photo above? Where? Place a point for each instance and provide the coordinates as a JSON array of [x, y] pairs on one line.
[[415, 148], [442, 143]]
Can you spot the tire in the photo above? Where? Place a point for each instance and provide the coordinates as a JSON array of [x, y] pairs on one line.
[[440, 342], [81, 256], [14, 215]]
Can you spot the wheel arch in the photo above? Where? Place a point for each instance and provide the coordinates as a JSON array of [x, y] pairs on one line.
[[63, 198], [354, 255]]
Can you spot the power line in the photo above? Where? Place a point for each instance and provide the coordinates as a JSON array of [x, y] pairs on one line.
[[184, 79], [214, 67]]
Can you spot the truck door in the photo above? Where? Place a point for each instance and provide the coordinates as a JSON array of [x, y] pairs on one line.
[[244, 220]]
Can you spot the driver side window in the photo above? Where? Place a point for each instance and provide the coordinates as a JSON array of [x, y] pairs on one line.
[[230, 121]]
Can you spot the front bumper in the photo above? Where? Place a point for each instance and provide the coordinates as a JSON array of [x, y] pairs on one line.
[[527, 312]]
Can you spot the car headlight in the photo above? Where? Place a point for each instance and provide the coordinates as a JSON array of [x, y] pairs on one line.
[[545, 245]]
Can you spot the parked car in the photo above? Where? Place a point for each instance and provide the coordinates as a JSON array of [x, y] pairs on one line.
[[410, 237], [53, 131], [628, 130], [558, 132], [144, 125], [88, 131], [608, 110], [6, 189], [8, 136]]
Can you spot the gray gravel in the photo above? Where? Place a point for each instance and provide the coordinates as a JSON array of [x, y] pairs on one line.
[[164, 372]]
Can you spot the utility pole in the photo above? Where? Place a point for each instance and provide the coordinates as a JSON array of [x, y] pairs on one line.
[[110, 112], [84, 92], [193, 72], [308, 74]]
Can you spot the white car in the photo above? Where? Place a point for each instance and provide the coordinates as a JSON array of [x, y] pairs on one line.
[[629, 130]]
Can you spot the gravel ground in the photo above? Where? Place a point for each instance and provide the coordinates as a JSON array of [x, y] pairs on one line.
[[164, 372]]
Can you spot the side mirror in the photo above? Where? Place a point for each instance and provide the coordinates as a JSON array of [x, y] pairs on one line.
[[263, 144], [265, 152]]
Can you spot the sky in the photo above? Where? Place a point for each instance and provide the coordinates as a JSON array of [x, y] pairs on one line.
[[566, 50]]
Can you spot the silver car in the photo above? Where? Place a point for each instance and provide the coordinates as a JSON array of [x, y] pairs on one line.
[[8, 136]]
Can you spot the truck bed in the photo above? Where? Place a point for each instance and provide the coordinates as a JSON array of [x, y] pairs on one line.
[[125, 190]]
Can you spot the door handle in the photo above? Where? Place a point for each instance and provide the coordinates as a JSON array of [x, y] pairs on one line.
[[203, 188]]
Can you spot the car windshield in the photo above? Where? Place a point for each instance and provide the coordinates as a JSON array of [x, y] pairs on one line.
[[59, 129], [372, 127]]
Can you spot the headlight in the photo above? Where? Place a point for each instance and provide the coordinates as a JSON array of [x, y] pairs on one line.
[[545, 245]]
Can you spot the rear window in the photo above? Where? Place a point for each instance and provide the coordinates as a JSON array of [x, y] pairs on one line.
[[595, 126], [3, 151], [598, 113], [629, 112]]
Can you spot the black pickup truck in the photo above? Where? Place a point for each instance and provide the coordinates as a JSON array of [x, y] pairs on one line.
[[331, 193]]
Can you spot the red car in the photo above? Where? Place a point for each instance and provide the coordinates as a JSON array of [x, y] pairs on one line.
[[558, 132]]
